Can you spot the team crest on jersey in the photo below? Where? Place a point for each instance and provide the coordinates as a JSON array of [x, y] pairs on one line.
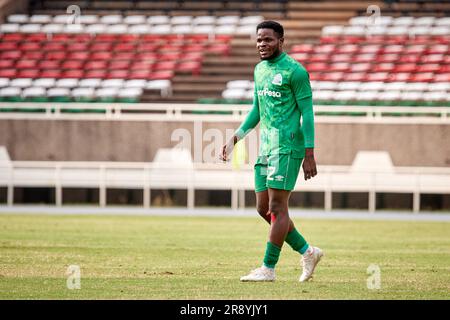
[[278, 79]]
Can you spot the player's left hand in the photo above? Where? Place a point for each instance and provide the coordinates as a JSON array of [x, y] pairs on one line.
[[309, 164]]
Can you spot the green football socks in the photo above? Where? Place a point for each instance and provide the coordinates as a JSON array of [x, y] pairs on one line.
[[296, 241], [272, 255]]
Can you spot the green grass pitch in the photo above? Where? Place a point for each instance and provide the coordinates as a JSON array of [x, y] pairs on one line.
[[155, 257]]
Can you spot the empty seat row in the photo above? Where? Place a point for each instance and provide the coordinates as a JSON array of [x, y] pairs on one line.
[[71, 89], [133, 19]]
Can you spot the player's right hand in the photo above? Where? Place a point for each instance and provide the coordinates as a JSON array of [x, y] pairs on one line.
[[227, 149]]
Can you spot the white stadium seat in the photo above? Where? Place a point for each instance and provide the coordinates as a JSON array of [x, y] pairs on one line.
[[139, 29], [117, 29], [106, 92], [10, 92], [58, 92], [88, 19], [227, 20], [96, 28], [18, 18], [130, 92], [182, 29], [44, 82], [62, 19], [53, 28], [4, 82], [67, 83], [21, 82], [225, 29], [158, 20], [9, 27], [111, 19], [252, 20], [34, 92], [332, 30], [90, 83], [74, 28], [164, 86], [161, 29], [209, 20], [183, 20], [135, 19], [83, 93], [40, 18], [234, 93], [138, 83], [239, 84], [116, 83], [30, 28]]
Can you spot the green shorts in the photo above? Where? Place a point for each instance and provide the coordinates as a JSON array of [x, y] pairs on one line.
[[278, 171]]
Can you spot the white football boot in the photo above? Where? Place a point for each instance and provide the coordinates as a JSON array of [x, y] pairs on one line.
[[261, 274], [309, 261]]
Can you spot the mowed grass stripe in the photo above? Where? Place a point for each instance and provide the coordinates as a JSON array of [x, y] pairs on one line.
[[155, 257]]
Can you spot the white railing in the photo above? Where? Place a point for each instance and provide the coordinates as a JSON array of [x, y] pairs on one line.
[[215, 176], [232, 112]]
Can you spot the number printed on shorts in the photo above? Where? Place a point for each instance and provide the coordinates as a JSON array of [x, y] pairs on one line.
[[270, 172]]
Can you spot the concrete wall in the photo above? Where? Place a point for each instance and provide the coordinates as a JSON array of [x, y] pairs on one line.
[[409, 145]]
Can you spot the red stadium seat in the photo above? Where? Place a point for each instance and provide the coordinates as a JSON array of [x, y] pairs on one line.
[[101, 55], [78, 55], [101, 46], [124, 56], [55, 73], [390, 57], [8, 73], [422, 77], [5, 46], [96, 65], [72, 65], [119, 65], [323, 57], [141, 66], [355, 76], [36, 37], [6, 64], [302, 48], [55, 55], [317, 67], [77, 47], [162, 75], [146, 47], [430, 67], [140, 74], [340, 66], [28, 73], [96, 74], [191, 66], [26, 64], [405, 67], [347, 48], [432, 58], [30, 46], [333, 76], [343, 57], [409, 58], [383, 67], [118, 74], [377, 76], [124, 47], [33, 55], [444, 77], [17, 37], [12, 54], [76, 74], [53, 46], [399, 77], [49, 64], [165, 65]]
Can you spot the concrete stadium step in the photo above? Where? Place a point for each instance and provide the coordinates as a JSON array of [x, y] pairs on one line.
[[208, 79], [227, 70], [233, 61], [321, 15], [197, 87], [331, 5]]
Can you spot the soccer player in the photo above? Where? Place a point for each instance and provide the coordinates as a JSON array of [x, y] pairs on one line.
[[282, 97]]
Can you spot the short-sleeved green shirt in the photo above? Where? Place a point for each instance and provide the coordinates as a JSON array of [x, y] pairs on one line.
[[280, 84]]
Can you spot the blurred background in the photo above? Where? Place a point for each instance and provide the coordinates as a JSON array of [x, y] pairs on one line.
[[127, 103]]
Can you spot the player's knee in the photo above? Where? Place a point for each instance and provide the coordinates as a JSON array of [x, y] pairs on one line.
[[276, 207], [262, 209]]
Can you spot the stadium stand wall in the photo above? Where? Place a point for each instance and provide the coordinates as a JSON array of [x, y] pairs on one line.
[[336, 144]]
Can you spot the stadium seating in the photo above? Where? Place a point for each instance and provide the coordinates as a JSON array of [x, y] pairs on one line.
[[353, 66], [116, 54]]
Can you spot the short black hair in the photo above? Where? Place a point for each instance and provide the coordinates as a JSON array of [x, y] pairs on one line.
[[269, 24]]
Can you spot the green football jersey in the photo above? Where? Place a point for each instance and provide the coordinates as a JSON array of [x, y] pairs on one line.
[[282, 96]]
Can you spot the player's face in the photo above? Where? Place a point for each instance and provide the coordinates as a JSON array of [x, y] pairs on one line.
[[268, 44]]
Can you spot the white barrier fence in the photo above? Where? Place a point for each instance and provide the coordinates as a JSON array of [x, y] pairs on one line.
[[205, 112], [372, 177]]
